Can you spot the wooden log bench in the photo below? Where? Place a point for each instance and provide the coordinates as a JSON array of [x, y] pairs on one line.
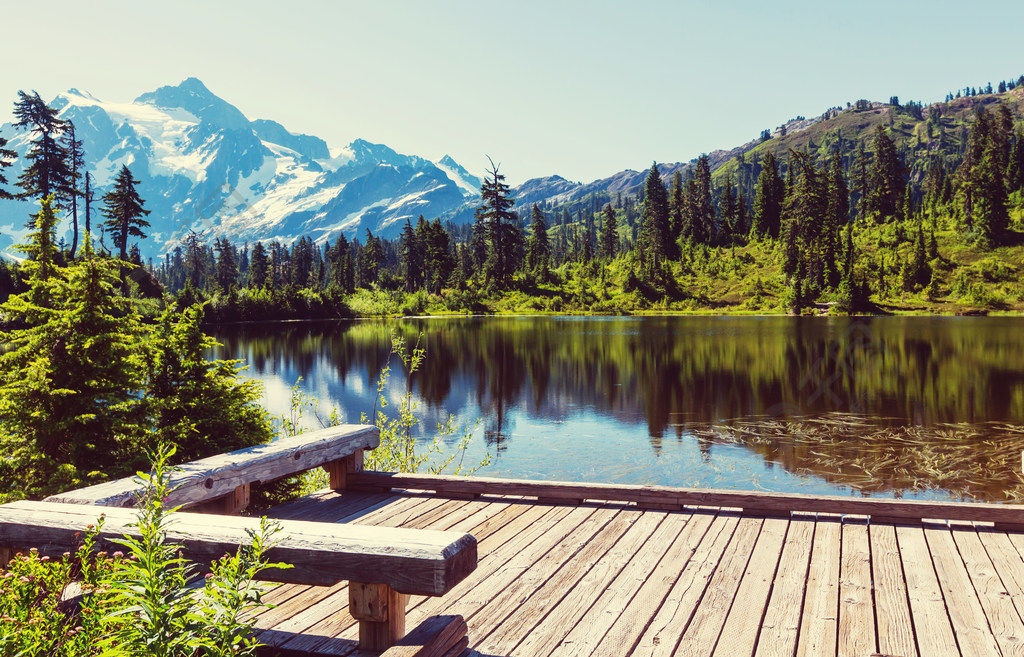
[[383, 565], [221, 484]]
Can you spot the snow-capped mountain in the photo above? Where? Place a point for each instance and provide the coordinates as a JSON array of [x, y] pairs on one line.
[[204, 166]]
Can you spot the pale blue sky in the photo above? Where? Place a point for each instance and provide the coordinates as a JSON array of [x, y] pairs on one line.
[[581, 89]]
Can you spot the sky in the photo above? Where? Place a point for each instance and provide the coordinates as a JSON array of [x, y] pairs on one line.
[[577, 89]]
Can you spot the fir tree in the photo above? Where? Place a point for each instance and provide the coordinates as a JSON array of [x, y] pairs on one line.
[[227, 264], [75, 154], [259, 266], [47, 170], [7, 157], [702, 229], [609, 240], [412, 256], [501, 232], [768, 200], [887, 177], [655, 219], [122, 206], [677, 211], [537, 247]]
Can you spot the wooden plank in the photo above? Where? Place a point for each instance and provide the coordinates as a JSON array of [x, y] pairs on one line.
[[503, 614], [662, 634], [216, 476], [338, 471], [434, 637], [895, 628], [1008, 564], [856, 608], [965, 612], [328, 506], [703, 632], [819, 623], [411, 561], [1003, 619], [586, 579], [627, 625], [928, 610], [763, 502], [512, 530], [781, 625], [742, 625]]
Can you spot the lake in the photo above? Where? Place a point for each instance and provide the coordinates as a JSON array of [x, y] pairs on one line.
[[923, 407]]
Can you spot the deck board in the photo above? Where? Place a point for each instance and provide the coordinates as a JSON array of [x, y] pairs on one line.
[[612, 579]]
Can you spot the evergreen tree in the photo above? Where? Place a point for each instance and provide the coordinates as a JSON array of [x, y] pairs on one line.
[[370, 259], [702, 229], [41, 264], [609, 240], [122, 206], [7, 157], [227, 264], [887, 177], [75, 154], [676, 211], [537, 248], [656, 232], [728, 206], [47, 170], [412, 257], [768, 200], [440, 262], [502, 233], [259, 266]]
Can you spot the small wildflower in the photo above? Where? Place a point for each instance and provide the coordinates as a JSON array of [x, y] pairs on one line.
[[118, 554]]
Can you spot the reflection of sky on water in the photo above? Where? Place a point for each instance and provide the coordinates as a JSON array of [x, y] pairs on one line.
[[610, 399]]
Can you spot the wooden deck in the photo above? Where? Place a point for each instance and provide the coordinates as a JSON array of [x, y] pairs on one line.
[[613, 579]]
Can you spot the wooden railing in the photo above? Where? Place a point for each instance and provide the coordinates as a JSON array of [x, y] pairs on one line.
[[382, 565]]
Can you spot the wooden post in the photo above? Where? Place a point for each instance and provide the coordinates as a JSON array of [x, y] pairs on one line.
[[231, 504], [6, 554], [380, 611], [339, 470]]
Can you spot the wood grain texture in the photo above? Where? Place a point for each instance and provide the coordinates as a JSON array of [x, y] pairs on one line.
[[1003, 619], [216, 476], [819, 624], [892, 607], [781, 624], [760, 503], [434, 637], [856, 606], [927, 608], [425, 562]]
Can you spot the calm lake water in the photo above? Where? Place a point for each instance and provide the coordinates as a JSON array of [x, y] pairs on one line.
[[896, 406]]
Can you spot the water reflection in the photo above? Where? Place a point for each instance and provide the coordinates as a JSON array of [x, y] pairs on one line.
[[598, 388]]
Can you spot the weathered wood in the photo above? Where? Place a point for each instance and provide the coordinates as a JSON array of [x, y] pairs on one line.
[[758, 502], [856, 610], [338, 471], [895, 629], [742, 626], [819, 624], [780, 626], [216, 476], [232, 503], [380, 611], [434, 637], [931, 620], [1003, 619], [424, 562]]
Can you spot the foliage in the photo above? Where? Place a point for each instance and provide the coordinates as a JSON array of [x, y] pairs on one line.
[[137, 602]]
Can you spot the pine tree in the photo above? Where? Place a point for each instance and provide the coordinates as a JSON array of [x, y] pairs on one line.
[[75, 154], [501, 233], [656, 231], [768, 200], [412, 256], [227, 264], [41, 265], [677, 211], [7, 157], [609, 240], [703, 211], [47, 170], [122, 206], [728, 206], [537, 248], [259, 266], [887, 177]]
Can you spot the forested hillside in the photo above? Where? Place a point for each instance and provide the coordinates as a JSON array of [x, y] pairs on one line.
[[872, 207]]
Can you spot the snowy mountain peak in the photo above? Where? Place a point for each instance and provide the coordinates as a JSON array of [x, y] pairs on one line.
[[204, 166], [193, 97]]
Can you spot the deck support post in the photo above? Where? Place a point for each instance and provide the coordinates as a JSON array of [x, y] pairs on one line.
[[380, 611], [6, 554], [231, 504], [338, 470]]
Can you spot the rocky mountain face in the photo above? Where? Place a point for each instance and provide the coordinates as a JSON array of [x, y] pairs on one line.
[[204, 166]]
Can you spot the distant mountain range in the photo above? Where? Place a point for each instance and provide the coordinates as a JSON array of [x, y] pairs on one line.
[[204, 166]]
